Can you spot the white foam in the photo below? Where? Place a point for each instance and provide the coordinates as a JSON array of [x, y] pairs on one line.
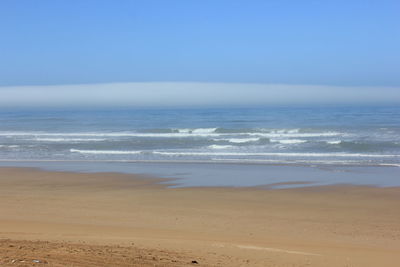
[[293, 131], [201, 132], [334, 142], [116, 152], [289, 141], [117, 134], [301, 161], [204, 130], [390, 164], [220, 146], [278, 154], [239, 140], [184, 130], [295, 135]]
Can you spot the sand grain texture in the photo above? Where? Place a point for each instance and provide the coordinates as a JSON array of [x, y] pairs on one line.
[[69, 219]]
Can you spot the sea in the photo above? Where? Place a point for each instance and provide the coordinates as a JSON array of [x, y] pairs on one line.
[[212, 146]]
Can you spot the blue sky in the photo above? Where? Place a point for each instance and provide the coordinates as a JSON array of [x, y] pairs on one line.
[[295, 42], [330, 43]]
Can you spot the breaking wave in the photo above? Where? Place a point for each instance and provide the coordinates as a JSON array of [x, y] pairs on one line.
[[179, 133], [195, 153], [110, 152]]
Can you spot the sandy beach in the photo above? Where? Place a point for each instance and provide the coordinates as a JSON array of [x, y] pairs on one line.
[[108, 219], [200, 133]]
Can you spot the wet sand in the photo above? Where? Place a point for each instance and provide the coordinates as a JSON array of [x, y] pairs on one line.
[[108, 219]]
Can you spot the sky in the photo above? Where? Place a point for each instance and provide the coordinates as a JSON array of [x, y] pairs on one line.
[[318, 49]]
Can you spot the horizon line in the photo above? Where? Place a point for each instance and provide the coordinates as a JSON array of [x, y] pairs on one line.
[[170, 94]]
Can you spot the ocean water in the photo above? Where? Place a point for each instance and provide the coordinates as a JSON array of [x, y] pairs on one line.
[[273, 146], [361, 136]]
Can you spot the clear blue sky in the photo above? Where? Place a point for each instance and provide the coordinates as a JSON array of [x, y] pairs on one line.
[[345, 43]]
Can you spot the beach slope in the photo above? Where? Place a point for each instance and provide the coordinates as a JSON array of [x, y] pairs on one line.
[[108, 219]]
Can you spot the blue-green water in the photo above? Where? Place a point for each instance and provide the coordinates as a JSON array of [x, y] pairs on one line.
[[275, 135], [212, 147]]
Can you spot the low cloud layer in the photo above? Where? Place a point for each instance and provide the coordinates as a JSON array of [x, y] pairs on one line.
[[172, 94]]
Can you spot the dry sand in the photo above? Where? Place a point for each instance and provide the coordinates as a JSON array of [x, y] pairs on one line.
[[69, 219]]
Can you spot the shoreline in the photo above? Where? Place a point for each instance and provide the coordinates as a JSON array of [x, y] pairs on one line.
[[216, 161], [204, 174], [216, 226]]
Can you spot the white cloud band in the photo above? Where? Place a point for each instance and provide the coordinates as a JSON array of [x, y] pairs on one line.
[[167, 94]]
